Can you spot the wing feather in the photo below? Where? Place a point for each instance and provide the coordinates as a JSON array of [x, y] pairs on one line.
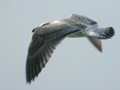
[[40, 50]]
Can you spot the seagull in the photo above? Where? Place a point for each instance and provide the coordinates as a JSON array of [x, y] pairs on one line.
[[47, 36]]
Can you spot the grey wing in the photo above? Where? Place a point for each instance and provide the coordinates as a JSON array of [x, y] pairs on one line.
[[40, 51], [38, 55], [83, 19]]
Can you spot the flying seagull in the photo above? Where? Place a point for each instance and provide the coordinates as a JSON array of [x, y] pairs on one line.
[[48, 35]]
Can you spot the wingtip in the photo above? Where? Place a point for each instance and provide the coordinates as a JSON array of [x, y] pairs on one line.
[[28, 82], [100, 50]]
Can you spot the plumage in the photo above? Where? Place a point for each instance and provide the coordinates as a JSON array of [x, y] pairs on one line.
[[47, 36], [96, 42]]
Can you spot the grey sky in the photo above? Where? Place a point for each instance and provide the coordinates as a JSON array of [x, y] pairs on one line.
[[75, 64]]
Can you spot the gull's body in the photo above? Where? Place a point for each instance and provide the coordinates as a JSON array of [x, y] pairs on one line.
[[47, 36]]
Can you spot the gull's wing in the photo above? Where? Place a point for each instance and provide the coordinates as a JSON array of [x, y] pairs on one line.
[[96, 42], [41, 48], [79, 19], [38, 55]]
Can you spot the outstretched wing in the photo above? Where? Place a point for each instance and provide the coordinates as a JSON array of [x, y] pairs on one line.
[[38, 55], [79, 19], [40, 50]]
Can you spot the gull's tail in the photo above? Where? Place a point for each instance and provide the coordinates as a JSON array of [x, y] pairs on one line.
[[96, 35], [101, 33], [96, 42]]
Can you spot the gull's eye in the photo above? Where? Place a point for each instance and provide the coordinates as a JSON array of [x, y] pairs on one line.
[[33, 30]]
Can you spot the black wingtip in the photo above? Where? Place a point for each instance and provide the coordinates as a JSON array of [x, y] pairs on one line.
[[32, 69], [100, 50]]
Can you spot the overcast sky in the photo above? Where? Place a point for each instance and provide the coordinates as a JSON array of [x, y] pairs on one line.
[[75, 64]]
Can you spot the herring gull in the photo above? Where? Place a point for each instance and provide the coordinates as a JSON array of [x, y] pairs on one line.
[[48, 35]]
